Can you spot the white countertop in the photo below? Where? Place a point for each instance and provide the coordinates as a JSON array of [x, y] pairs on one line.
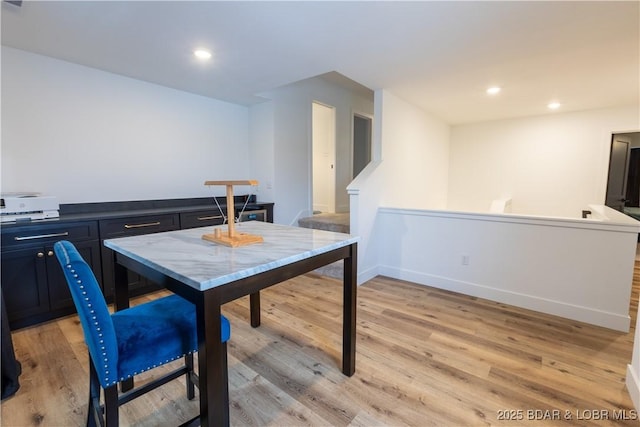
[[185, 256]]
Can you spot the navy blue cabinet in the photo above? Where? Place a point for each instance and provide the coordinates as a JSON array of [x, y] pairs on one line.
[[32, 283]]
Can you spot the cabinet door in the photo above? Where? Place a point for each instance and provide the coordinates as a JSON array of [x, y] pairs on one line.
[[59, 294], [24, 283], [130, 226], [138, 285]]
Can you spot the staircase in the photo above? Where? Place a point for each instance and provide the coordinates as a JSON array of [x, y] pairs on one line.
[[327, 221], [338, 222]]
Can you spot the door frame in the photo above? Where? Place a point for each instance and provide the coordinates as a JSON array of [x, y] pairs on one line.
[[612, 135], [355, 113]]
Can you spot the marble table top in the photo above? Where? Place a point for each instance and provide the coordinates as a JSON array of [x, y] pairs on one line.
[[201, 264]]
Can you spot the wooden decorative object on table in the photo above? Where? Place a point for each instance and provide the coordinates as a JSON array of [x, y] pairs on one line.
[[232, 238]]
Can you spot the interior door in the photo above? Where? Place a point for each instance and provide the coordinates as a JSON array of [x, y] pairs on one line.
[[633, 178], [618, 170], [323, 128]]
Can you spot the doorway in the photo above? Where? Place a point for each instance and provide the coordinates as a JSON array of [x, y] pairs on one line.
[[361, 142], [623, 183], [323, 141]]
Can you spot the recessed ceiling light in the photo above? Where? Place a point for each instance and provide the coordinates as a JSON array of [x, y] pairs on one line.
[[202, 54], [553, 105], [494, 90]]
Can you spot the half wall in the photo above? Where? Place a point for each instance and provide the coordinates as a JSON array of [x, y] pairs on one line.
[[580, 269]]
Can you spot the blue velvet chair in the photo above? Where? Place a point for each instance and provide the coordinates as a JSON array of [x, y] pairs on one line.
[[128, 342]]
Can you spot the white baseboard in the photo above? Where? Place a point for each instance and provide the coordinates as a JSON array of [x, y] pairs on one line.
[[558, 308], [366, 275], [633, 386]]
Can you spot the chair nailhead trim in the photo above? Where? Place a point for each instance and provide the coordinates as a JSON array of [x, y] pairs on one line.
[[150, 367], [96, 324]]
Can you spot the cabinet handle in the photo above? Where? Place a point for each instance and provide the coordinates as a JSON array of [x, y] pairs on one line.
[[40, 236], [40, 254], [206, 218], [148, 224], [50, 253]]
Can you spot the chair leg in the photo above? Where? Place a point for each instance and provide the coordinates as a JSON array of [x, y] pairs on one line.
[[188, 361], [93, 408], [111, 406], [225, 373], [95, 415]]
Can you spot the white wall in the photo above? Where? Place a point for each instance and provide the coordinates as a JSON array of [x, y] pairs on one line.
[[549, 165], [364, 193], [261, 149], [85, 135], [410, 153], [292, 143], [365, 200], [415, 154]]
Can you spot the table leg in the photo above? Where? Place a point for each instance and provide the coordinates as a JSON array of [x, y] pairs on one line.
[[121, 302], [254, 302], [349, 312], [212, 363]]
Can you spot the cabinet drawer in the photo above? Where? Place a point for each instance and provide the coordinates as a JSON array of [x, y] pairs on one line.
[[201, 218], [49, 233], [130, 226]]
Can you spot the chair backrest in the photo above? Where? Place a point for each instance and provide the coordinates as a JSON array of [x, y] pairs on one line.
[[99, 333]]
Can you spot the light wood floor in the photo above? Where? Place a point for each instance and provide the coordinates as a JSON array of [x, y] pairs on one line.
[[424, 357]]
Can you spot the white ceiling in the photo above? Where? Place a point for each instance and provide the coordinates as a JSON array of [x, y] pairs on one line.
[[438, 55]]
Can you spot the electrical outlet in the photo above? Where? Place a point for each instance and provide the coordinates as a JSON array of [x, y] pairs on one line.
[[465, 259]]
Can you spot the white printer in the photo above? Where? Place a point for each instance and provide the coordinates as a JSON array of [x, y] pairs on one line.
[[27, 206]]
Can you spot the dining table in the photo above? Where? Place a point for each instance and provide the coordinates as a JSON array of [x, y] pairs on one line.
[[210, 274]]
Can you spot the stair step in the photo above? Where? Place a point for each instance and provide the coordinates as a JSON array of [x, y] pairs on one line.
[[329, 222], [335, 270]]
